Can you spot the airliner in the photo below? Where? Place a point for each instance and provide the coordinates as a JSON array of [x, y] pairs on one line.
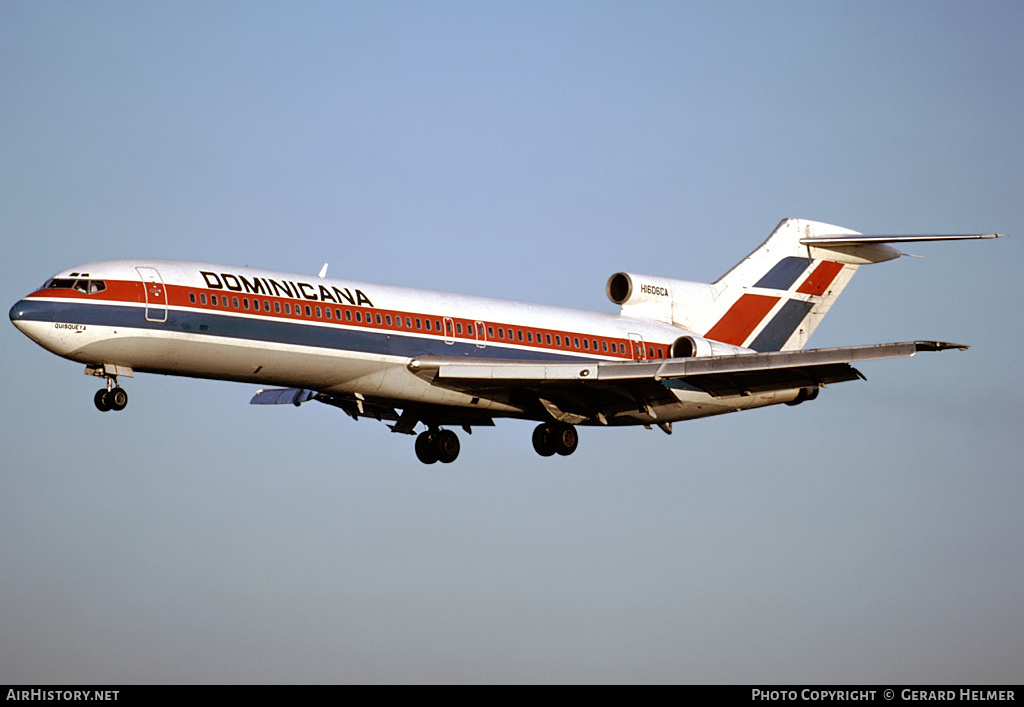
[[677, 350]]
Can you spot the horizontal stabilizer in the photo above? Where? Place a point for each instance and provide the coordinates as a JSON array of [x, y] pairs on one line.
[[860, 239], [282, 396]]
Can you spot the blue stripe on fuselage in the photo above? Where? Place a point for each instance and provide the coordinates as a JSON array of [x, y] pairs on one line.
[[226, 324]]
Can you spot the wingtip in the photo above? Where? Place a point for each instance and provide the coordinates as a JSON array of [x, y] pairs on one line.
[[939, 346]]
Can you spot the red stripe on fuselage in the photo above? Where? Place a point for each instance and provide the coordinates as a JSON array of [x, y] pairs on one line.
[[818, 281], [741, 319], [121, 291]]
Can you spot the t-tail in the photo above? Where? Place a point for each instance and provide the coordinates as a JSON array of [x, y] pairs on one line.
[[773, 299]]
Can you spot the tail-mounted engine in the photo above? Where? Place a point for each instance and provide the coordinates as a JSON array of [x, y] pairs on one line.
[[695, 346], [670, 301]]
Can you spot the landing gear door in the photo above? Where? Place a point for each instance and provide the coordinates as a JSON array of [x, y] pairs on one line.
[[156, 294]]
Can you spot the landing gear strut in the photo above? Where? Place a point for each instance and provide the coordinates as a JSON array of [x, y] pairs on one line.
[[437, 446], [555, 438], [113, 397]]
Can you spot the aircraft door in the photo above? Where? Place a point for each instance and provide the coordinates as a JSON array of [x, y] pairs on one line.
[[449, 330], [639, 351], [156, 294], [481, 334]]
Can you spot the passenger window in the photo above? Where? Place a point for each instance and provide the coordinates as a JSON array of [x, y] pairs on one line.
[[277, 307], [408, 323], [604, 346], [202, 297], [458, 328], [266, 305], [245, 302], [419, 323], [348, 315], [576, 341], [519, 334], [558, 340], [490, 332], [213, 300], [309, 313], [192, 297], [529, 337], [469, 329], [378, 319], [234, 302], [428, 324], [319, 313], [387, 319], [547, 339]]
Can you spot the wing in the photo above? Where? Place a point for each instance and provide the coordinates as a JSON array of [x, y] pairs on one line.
[[574, 392]]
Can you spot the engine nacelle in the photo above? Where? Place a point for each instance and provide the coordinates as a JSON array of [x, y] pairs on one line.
[[804, 395], [697, 346], [661, 298]]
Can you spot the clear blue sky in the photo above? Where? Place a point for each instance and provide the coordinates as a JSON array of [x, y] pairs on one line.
[[523, 150]]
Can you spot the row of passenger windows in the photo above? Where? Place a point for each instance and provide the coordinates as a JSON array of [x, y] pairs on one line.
[[422, 324]]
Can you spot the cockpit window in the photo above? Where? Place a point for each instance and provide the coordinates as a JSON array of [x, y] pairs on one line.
[[89, 287]]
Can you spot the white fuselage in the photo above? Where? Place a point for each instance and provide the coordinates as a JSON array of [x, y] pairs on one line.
[[328, 335]]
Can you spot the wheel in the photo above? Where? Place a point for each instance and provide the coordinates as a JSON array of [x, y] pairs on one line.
[[446, 444], [542, 440], [426, 450], [117, 399], [565, 438], [102, 400]]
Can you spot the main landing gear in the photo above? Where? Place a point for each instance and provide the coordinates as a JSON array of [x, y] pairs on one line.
[[437, 446], [112, 397], [555, 438], [549, 438]]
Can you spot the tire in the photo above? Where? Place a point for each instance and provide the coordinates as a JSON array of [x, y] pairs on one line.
[[446, 444], [117, 399], [426, 450], [542, 438], [102, 400], [565, 439]]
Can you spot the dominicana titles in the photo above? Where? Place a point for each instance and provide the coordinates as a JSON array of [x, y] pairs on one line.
[[284, 288]]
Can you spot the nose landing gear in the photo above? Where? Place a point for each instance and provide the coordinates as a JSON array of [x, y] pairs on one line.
[[113, 397]]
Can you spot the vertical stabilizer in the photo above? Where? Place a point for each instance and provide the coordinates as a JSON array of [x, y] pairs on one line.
[[774, 299]]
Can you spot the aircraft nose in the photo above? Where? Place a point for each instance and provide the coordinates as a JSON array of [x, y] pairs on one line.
[[17, 314]]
